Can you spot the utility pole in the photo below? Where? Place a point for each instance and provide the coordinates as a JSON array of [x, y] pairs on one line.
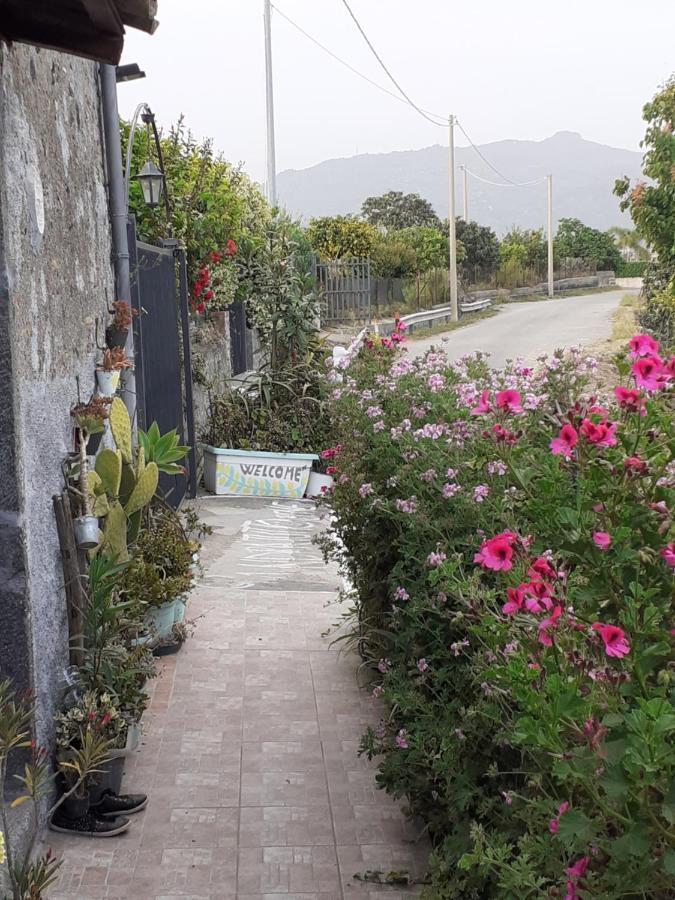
[[269, 95], [454, 307], [465, 195], [549, 185]]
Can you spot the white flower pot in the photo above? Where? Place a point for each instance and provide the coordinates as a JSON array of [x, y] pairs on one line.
[[256, 473], [318, 484], [107, 382]]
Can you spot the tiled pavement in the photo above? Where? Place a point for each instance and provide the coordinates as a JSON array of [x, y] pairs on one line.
[[249, 754]]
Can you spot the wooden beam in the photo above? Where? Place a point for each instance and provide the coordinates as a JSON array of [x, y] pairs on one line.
[[72, 562]]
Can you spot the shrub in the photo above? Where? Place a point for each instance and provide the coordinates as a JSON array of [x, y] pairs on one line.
[[509, 538], [658, 314], [633, 269]]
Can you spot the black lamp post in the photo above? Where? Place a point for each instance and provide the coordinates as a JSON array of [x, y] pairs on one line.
[[151, 178]]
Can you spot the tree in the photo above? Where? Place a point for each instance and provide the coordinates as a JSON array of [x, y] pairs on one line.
[[338, 237], [629, 240], [392, 257], [429, 245], [574, 240], [523, 247], [398, 210], [481, 249], [652, 206]]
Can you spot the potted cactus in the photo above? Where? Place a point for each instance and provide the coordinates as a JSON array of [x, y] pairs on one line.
[[109, 370], [89, 419], [117, 332]]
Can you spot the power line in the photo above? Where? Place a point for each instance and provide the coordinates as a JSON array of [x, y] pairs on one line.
[[389, 75], [485, 159], [339, 59], [511, 184]]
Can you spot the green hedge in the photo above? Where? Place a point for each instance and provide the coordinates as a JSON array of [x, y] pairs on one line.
[[634, 269]]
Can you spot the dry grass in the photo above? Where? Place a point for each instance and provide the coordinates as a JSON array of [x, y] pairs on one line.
[[624, 324]]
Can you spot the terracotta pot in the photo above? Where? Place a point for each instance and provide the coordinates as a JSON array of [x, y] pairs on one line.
[[116, 337]]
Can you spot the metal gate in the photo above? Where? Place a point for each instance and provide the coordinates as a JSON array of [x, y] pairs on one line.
[[241, 339], [162, 350], [345, 287]]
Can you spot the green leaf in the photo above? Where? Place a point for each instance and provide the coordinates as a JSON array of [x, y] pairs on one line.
[[574, 828], [669, 862], [614, 783], [635, 842]]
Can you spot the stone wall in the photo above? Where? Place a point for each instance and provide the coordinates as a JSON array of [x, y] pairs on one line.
[[55, 281], [211, 367]]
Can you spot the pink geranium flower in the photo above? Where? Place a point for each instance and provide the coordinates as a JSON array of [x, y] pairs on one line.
[[483, 405], [578, 870], [537, 597], [647, 372], [401, 739], [509, 401], [630, 400], [668, 554], [548, 626], [515, 600], [541, 568], [602, 540], [614, 639], [495, 553], [643, 345], [553, 823], [565, 443], [600, 435]]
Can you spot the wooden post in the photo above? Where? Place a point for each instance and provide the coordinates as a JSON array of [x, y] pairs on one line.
[[72, 562]]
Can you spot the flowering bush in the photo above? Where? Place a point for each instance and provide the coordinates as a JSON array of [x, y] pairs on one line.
[[510, 540], [217, 280]]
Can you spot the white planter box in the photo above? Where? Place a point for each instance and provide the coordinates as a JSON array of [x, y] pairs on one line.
[[108, 382], [319, 484], [256, 473]]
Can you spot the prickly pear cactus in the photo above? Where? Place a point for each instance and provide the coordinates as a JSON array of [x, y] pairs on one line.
[[98, 501], [134, 527], [140, 460], [142, 494], [115, 533], [120, 425], [109, 470]]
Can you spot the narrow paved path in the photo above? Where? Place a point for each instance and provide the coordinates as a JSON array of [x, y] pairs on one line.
[[249, 754], [528, 329]]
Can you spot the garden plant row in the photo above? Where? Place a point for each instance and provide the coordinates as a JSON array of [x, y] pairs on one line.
[[509, 539]]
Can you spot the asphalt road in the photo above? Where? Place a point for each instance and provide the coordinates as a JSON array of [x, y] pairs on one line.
[[528, 329]]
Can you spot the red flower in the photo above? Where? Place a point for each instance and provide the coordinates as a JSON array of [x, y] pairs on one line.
[[565, 443], [634, 465], [628, 399], [509, 401], [548, 626], [647, 372], [208, 296], [197, 289], [495, 553], [643, 345], [541, 568], [667, 553], [600, 435], [537, 596], [215, 257], [230, 248], [200, 308], [614, 639], [515, 600], [483, 405]]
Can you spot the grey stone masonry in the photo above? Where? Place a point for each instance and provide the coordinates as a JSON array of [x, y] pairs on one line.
[[55, 282]]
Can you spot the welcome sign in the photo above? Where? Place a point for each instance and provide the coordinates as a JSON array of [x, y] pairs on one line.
[[248, 473]]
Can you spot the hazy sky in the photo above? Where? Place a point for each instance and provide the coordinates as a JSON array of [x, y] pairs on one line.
[[507, 68]]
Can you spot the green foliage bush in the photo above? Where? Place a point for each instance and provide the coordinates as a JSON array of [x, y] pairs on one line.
[[632, 269], [574, 240], [510, 541], [337, 237]]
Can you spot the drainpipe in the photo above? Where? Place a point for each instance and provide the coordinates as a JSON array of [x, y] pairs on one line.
[[118, 219]]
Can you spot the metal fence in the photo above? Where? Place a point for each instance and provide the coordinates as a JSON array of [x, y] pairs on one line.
[[345, 288]]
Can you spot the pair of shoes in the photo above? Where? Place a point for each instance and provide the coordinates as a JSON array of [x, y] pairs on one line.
[[103, 819]]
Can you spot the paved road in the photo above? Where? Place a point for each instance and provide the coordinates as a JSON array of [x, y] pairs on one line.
[[528, 329]]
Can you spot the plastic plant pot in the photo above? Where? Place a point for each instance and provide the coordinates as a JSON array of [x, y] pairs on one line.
[[116, 337], [159, 619], [107, 381]]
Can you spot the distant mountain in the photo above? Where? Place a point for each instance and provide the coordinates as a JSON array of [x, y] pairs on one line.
[[583, 178]]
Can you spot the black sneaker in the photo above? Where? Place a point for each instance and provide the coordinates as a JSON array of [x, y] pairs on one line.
[[88, 825], [112, 804]]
